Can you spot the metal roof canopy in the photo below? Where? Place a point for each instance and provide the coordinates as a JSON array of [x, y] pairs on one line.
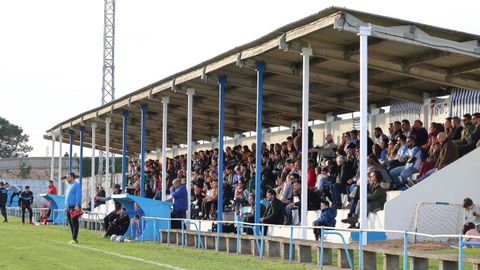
[[405, 60]]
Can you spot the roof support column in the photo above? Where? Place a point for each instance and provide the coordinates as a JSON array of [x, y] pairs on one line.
[[165, 101], [59, 185], [190, 93], [260, 68], [306, 53], [70, 159], [124, 150], [93, 182], [143, 111], [108, 120], [222, 81], [80, 167], [52, 163], [364, 32]]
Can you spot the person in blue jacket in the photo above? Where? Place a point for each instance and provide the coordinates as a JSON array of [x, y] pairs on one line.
[[73, 201], [326, 218], [178, 191]]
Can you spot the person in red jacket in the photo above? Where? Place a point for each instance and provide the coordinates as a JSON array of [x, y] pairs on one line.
[[51, 188]]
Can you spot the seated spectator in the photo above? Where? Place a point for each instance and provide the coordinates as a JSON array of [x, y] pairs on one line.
[[112, 215], [326, 218], [457, 129], [406, 129], [469, 229], [210, 201], [420, 133], [379, 136], [412, 165], [435, 128], [119, 226], [197, 202], [275, 210], [472, 139], [376, 198], [447, 125], [396, 130], [472, 212], [148, 191], [240, 196], [327, 150], [343, 181], [323, 178], [468, 128], [448, 153], [401, 156], [249, 215]]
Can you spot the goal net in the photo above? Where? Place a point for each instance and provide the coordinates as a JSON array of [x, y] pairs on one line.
[[437, 218]]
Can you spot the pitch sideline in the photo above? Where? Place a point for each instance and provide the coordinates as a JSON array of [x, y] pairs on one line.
[[123, 256]]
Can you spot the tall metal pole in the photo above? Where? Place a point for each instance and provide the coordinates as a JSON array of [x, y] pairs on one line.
[[124, 151], [80, 169], [70, 158], [306, 53], [222, 81], [165, 101], [260, 68], [92, 176], [59, 185], [190, 93], [52, 163], [108, 120], [364, 32], [143, 109]]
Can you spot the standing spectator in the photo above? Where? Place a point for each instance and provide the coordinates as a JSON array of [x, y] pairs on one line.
[[73, 202], [344, 179], [3, 201], [26, 200], [178, 194]]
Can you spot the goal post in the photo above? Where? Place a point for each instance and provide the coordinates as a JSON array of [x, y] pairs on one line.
[[436, 218]]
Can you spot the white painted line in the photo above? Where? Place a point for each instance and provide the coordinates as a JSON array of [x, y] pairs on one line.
[[123, 256]]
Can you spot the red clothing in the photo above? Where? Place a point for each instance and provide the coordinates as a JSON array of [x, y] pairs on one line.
[[311, 178], [52, 190]]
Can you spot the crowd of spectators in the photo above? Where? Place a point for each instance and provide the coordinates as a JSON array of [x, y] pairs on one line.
[[397, 159]]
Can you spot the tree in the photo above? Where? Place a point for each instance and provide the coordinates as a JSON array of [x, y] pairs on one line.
[[13, 142]]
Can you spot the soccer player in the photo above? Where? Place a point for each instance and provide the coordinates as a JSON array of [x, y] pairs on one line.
[[3, 201], [15, 191], [26, 201], [73, 201]]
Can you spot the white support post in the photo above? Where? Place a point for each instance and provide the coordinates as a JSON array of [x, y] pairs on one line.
[[364, 32], [92, 177], [190, 93], [52, 163], [306, 53], [165, 101], [108, 120], [59, 185]]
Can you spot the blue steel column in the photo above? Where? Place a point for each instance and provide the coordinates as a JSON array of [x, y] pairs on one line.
[[222, 81], [71, 149], [124, 151], [143, 109], [80, 168], [260, 68]]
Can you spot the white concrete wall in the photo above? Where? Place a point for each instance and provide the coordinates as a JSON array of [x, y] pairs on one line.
[[451, 184]]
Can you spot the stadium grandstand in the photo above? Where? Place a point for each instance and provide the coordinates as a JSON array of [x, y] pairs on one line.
[[341, 119]]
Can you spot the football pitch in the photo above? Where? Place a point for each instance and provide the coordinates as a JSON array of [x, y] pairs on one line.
[[46, 247]]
